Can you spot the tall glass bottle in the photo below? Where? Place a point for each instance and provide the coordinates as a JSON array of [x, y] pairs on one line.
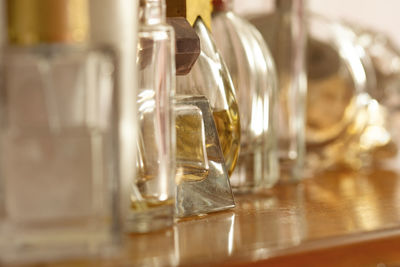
[[254, 77], [285, 32], [210, 77], [154, 185], [58, 161]]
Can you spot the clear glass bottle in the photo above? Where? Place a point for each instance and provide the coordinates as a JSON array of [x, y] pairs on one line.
[[58, 159], [210, 77], [285, 32], [153, 196], [338, 99], [344, 125], [384, 60], [254, 77]]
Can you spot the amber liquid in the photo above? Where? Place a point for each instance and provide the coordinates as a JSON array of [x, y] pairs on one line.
[[150, 203], [191, 158], [228, 127]]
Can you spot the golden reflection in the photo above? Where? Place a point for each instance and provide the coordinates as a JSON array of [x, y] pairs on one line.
[[196, 236], [331, 209], [364, 205]]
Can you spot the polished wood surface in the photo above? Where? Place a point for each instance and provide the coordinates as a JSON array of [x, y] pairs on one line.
[[335, 219]]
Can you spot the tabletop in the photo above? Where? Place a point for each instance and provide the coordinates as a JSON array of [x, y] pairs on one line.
[[338, 218]]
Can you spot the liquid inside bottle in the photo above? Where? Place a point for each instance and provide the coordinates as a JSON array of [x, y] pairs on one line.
[[153, 188], [191, 154], [253, 74], [209, 77]]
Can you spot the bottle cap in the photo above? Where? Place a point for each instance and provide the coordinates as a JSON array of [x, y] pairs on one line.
[[191, 10], [47, 21], [187, 48]]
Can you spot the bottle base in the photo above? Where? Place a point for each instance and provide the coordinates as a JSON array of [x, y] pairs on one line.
[[149, 220]]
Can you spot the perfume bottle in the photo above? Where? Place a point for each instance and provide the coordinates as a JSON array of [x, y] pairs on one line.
[[254, 77], [59, 170], [210, 77], [382, 63], [339, 109], [285, 32], [154, 186], [201, 177], [345, 127], [353, 131]]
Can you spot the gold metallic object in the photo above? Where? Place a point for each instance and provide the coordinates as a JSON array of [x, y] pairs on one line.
[[47, 21], [190, 9]]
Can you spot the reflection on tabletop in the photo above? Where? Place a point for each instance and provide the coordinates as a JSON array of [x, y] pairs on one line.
[[336, 208]]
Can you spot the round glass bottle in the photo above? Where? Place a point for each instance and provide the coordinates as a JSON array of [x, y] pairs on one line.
[[254, 77]]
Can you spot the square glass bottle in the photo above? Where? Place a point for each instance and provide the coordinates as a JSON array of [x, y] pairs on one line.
[[58, 139]]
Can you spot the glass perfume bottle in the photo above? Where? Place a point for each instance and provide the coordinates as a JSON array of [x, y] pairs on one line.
[[202, 179], [382, 62], [339, 106], [285, 32], [59, 170], [344, 125], [254, 77], [154, 186], [210, 77]]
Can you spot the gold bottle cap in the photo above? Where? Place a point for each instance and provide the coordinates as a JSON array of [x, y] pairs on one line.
[[47, 21], [191, 9]]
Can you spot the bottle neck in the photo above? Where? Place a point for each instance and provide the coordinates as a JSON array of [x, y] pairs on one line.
[[222, 5], [285, 6], [152, 12]]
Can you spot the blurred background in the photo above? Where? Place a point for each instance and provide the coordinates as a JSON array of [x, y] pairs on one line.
[[372, 14]]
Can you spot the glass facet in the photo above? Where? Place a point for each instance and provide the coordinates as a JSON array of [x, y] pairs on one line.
[[203, 183], [58, 162], [254, 77], [153, 189]]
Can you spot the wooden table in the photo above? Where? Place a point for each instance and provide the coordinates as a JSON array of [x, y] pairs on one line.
[[335, 219]]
